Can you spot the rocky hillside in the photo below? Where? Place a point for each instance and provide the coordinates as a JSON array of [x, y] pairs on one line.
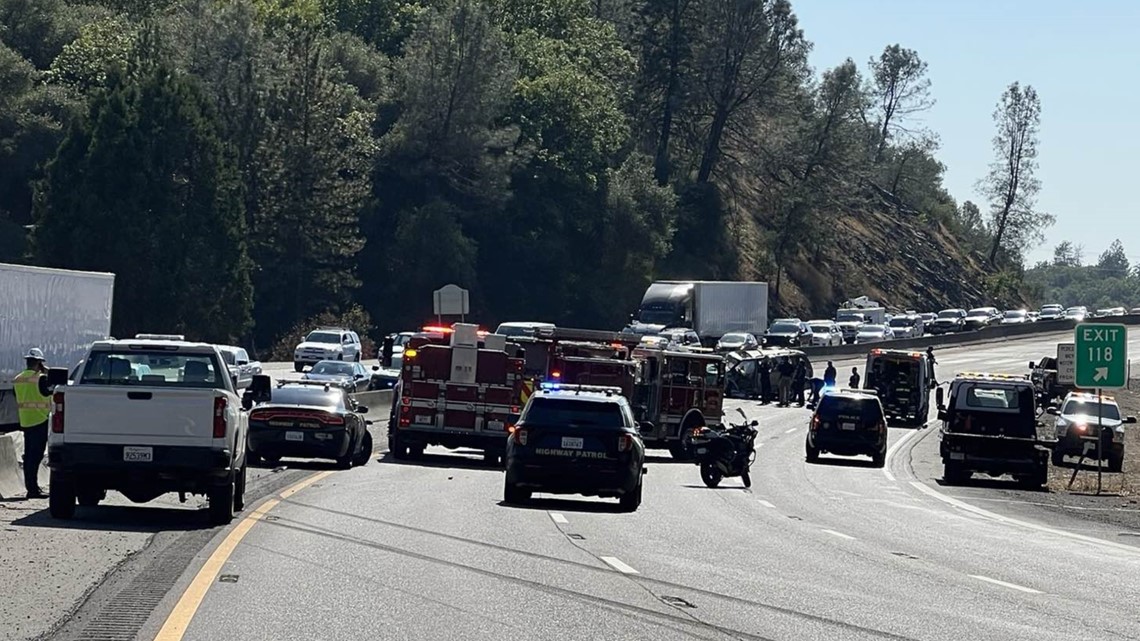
[[897, 259]]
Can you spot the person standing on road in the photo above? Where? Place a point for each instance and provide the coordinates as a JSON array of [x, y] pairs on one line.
[[930, 362], [786, 371], [853, 382], [829, 375], [799, 380], [765, 374], [34, 409]]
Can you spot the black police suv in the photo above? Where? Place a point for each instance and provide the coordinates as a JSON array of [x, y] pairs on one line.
[[848, 422], [310, 420], [575, 440]]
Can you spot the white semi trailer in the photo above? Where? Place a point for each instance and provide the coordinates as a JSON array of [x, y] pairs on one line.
[[58, 310]]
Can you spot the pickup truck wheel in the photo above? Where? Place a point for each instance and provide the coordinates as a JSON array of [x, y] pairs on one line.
[[1058, 457], [239, 491], [1116, 462], [811, 454], [61, 499], [221, 498], [365, 452], [297, 367], [953, 474]]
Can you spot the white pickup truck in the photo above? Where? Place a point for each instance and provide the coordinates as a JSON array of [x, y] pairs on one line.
[[144, 417]]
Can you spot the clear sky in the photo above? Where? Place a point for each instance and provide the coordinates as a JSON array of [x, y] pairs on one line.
[[1082, 57]]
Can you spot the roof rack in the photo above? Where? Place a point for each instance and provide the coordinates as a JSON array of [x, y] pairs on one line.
[[591, 335]]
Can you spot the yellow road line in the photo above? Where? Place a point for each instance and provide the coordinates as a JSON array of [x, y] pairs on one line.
[[179, 619]]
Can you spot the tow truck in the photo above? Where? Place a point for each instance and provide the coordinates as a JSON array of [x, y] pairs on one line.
[[902, 381], [990, 426], [671, 391], [459, 388]]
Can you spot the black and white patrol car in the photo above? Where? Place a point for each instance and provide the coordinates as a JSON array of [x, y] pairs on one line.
[[575, 439], [307, 419]]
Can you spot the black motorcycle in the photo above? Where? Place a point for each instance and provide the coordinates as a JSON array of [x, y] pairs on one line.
[[724, 453]]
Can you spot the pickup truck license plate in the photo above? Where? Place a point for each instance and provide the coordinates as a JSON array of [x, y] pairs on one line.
[[132, 454], [847, 426], [957, 456], [571, 442], [424, 419], [495, 426], [294, 436]]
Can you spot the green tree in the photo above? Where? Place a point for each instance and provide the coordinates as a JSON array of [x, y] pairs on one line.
[[901, 90], [1012, 184], [1113, 262], [1067, 254], [142, 187]]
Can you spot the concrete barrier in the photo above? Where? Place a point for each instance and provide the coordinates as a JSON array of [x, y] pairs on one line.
[[11, 470]]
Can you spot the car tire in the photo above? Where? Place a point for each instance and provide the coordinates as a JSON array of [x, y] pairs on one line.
[[61, 498], [514, 495], [746, 478], [221, 499], [879, 459], [365, 453], [811, 454], [953, 474], [239, 490], [298, 367], [1116, 462], [631, 501]]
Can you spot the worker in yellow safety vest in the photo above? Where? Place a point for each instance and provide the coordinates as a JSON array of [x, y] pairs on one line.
[[34, 409]]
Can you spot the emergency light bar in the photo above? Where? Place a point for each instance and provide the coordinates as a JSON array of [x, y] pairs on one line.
[[572, 387], [993, 377]]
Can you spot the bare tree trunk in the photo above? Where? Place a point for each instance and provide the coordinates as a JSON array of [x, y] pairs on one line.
[[672, 91]]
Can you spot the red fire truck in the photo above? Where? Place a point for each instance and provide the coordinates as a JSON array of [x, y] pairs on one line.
[[671, 391], [460, 388]]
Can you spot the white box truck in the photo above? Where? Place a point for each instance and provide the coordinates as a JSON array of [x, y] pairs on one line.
[[711, 308], [60, 311]]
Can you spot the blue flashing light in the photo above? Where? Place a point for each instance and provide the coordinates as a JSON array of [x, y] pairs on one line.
[[551, 386]]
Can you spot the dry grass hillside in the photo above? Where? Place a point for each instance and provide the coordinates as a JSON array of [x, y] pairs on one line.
[[898, 259]]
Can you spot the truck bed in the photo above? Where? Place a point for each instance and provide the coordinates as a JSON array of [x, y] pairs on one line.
[[138, 414]]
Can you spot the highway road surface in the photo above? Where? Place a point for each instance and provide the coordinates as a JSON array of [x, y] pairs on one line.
[[836, 550]]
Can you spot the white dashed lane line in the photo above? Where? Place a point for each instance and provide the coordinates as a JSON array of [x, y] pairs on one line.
[[618, 565], [1012, 586], [558, 518], [765, 503], [840, 535], [790, 431]]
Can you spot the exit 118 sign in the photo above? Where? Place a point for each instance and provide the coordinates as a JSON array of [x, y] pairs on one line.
[[1102, 356]]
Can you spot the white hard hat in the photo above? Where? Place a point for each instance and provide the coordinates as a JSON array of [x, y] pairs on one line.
[[35, 353]]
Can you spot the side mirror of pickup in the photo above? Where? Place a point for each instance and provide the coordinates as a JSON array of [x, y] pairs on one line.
[[361, 409], [260, 388], [645, 426], [1032, 365], [940, 398], [1130, 420], [56, 376]]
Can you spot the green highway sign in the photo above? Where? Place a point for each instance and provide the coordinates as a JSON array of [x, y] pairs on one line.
[[1102, 356]]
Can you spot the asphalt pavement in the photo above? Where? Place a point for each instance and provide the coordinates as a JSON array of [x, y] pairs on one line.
[[836, 550]]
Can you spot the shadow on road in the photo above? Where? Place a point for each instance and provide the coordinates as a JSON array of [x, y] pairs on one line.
[[990, 483], [461, 459], [667, 460], [123, 518], [844, 462], [566, 505], [694, 486]]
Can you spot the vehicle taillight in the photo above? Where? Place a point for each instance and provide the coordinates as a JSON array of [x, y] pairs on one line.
[[518, 435], [220, 417], [625, 443], [57, 413], [556, 375], [815, 422]]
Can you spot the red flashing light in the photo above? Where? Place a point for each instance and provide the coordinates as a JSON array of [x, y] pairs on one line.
[[436, 329], [557, 375]]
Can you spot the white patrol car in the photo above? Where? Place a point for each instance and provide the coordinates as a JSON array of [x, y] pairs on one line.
[[327, 344], [147, 416], [1077, 420]]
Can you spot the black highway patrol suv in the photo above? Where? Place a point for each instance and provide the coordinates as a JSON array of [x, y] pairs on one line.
[[575, 439], [848, 422]]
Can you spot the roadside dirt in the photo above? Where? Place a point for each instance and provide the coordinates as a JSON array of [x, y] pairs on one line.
[[1119, 502]]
